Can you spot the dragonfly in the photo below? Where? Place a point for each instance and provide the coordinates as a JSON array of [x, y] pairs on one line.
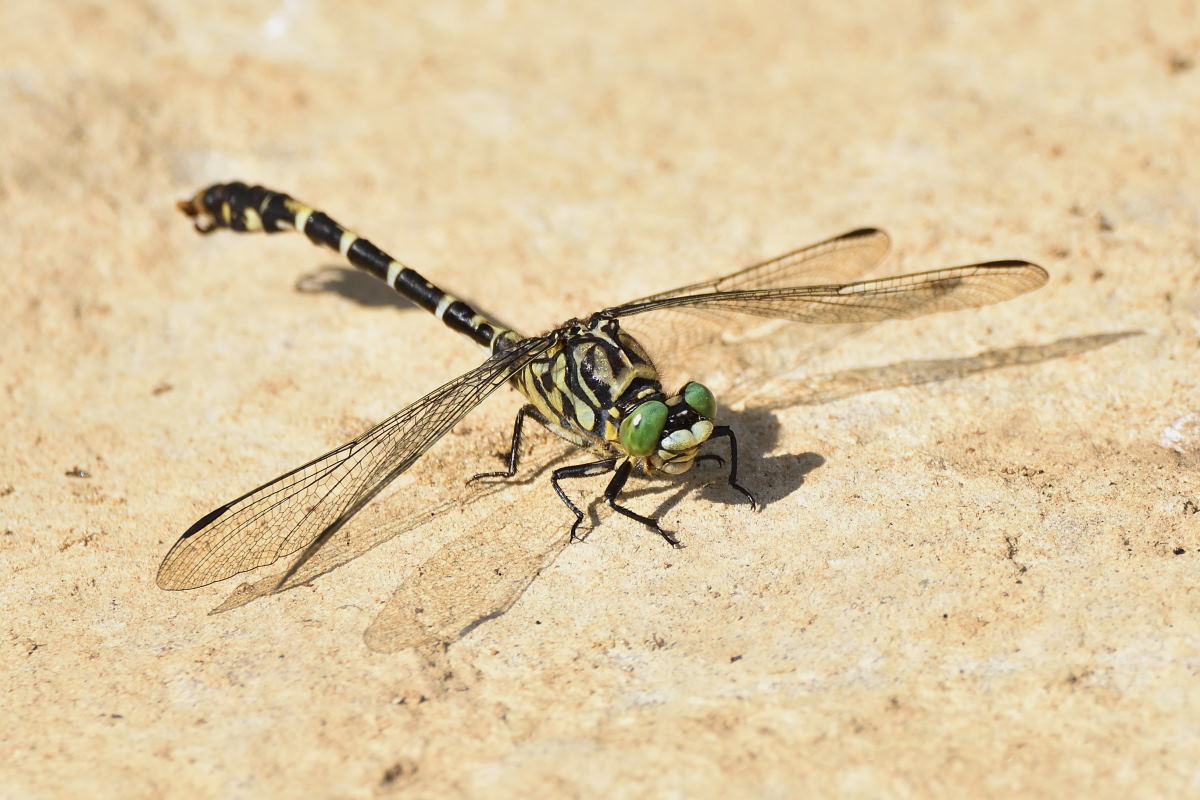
[[590, 380]]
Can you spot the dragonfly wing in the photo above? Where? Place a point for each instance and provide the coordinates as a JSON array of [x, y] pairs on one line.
[[896, 297], [833, 261], [302, 508], [693, 337], [714, 332]]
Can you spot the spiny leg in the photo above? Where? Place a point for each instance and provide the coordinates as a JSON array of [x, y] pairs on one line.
[[610, 496], [578, 471], [611, 492], [724, 431], [514, 450]]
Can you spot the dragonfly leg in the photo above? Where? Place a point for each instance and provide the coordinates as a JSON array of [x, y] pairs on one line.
[[514, 451], [610, 496], [726, 432], [578, 471], [711, 457]]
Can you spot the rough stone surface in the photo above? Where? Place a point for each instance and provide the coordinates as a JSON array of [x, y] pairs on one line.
[[976, 571]]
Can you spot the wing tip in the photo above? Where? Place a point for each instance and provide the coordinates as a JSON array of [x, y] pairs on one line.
[[170, 582], [164, 583], [865, 233], [167, 581], [203, 522], [1028, 267], [1010, 262]]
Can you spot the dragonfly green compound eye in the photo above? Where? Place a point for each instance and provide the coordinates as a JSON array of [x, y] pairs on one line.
[[641, 430], [700, 400]]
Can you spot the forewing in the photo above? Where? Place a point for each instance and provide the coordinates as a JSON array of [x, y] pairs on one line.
[[688, 340], [303, 507], [897, 297], [833, 261], [710, 335]]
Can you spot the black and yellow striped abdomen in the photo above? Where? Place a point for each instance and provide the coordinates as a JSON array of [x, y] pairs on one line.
[[254, 209]]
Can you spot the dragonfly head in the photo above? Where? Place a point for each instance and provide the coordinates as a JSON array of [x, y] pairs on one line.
[[668, 434]]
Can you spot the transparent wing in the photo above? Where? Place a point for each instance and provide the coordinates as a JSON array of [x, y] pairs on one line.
[[837, 260], [301, 509], [695, 338], [435, 504], [897, 297], [700, 341]]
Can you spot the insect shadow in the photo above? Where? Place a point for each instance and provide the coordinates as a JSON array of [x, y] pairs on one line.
[[485, 564], [353, 285], [769, 477], [362, 289]]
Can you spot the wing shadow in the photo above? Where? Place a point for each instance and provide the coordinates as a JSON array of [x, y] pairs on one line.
[[812, 390], [358, 287], [363, 289]]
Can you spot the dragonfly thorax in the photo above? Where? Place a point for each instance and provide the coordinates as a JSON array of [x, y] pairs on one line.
[[598, 388]]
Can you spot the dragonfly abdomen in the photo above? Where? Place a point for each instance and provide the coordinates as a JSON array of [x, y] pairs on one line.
[[244, 208]]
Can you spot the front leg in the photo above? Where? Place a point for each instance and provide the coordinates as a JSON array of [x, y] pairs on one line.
[[724, 431], [610, 496]]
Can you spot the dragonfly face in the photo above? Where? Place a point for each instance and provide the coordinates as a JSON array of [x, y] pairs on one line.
[[669, 434]]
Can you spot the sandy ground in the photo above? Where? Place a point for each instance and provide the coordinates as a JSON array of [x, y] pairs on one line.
[[976, 571]]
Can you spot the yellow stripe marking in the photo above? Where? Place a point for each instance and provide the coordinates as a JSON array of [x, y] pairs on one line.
[[302, 216], [443, 304], [393, 270], [558, 371], [584, 414]]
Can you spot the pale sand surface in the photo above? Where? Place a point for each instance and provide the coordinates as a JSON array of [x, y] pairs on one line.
[[976, 571]]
